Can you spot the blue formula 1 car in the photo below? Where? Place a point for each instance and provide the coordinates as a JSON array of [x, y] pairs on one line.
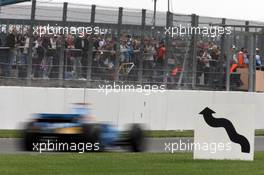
[[69, 132]]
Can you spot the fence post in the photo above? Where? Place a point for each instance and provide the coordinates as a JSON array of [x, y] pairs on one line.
[[226, 42], [255, 38], [251, 68], [62, 48], [141, 57], [247, 46], [153, 28], [261, 38], [32, 22], [119, 25], [169, 22], [195, 22], [222, 54], [90, 49], [246, 32]]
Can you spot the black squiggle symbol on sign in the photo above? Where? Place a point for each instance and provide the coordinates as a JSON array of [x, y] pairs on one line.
[[230, 129]]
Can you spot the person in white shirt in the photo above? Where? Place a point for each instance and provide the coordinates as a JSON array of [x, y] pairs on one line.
[[258, 58]]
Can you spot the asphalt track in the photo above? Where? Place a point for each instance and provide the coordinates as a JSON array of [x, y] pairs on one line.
[[155, 145]]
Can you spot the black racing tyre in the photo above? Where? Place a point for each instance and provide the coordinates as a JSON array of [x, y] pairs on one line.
[[92, 134], [28, 138], [86, 133], [136, 138], [28, 141]]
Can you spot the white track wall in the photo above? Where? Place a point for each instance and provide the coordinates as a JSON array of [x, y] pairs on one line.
[[170, 110]]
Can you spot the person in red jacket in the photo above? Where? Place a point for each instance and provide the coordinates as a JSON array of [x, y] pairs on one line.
[[160, 54], [241, 58], [234, 59], [160, 58]]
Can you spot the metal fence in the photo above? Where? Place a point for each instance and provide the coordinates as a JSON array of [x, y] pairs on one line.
[[122, 46]]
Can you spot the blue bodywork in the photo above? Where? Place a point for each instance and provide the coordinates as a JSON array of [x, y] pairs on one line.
[[50, 127], [49, 123], [109, 135]]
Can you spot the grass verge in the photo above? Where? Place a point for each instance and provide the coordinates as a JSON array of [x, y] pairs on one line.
[[159, 134], [125, 163], [10, 134]]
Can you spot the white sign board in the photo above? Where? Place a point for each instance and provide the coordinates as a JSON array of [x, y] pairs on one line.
[[224, 132]]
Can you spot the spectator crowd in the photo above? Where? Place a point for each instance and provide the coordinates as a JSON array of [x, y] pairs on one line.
[[48, 49]]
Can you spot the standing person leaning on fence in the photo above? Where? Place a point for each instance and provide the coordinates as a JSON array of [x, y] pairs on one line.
[[25, 50], [206, 67], [258, 58], [241, 61], [11, 43], [241, 58], [69, 42], [215, 67], [160, 57], [123, 52], [38, 55], [149, 51], [79, 44], [234, 59], [45, 62], [84, 45]]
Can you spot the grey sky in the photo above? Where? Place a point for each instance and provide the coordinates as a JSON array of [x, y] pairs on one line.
[[236, 9]]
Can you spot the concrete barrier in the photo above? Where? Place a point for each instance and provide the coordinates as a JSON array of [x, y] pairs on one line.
[[168, 110]]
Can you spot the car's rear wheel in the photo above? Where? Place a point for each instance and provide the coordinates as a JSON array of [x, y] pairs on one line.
[[92, 135], [28, 138], [136, 138]]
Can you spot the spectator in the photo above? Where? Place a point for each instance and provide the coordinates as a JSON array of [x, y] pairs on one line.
[[11, 39], [206, 67], [123, 51], [160, 58], [246, 58], [241, 58], [130, 51], [215, 53], [234, 60], [102, 43], [160, 55], [149, 51], [11, 42], [200, 66], [258, 58], [83, 45]]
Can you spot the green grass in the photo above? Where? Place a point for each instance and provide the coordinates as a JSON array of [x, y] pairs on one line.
[[259, 132], [157, 134], [10, 133], [125, 164], [185, 133]]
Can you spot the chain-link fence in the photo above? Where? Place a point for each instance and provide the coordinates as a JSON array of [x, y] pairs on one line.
[[73, 45]]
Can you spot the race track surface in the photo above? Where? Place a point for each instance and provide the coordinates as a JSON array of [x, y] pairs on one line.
[[155, 145]]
